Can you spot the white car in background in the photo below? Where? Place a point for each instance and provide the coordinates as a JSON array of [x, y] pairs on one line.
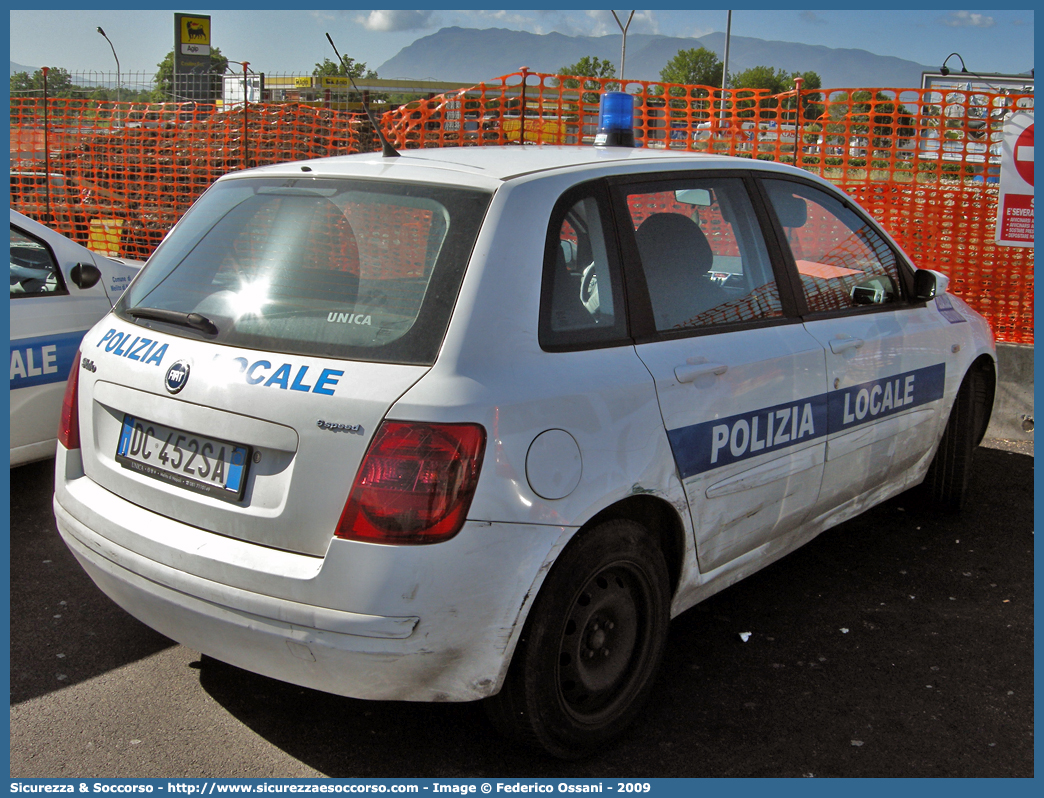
[[59, 289]]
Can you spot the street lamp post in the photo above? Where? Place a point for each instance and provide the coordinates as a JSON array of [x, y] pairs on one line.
[[246, 110], [117, 62], [725, 66], [945, 70], [623, 44]]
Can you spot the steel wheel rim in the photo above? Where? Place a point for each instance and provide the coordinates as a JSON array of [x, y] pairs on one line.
[[605, 643]]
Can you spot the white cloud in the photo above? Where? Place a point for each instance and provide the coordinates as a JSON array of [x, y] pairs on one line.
[[603, 24], [967, 19], [644, 22], [504, 18], [386, 21], [557, 22]]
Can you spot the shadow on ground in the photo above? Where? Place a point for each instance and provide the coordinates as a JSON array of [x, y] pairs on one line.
[[898, 644], [63, 629]]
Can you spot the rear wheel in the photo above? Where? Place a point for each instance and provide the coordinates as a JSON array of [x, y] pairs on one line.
[[591, 646], [946, 483]]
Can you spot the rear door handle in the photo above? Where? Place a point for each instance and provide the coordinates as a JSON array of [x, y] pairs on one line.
[[839, 345], [691, 372]]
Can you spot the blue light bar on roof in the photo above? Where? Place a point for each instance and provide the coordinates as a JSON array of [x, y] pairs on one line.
[[615, 120]]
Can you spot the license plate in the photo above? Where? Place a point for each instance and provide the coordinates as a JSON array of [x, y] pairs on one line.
[[204, 465]]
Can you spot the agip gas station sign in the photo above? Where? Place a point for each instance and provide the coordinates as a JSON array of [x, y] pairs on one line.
[[192, 80]]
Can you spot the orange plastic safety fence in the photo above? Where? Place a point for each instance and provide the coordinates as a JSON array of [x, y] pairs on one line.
[[396, 239], [922, 162], [951, 228], [135, 169]]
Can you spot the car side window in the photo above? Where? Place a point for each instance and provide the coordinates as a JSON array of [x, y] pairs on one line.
[[581, 294], [842, 260], [702, 253], [34, 271]]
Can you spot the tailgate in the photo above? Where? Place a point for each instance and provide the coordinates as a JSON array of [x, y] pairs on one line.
[[293, 431]]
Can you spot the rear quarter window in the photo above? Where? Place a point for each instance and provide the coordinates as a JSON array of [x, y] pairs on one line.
[[581, 292]]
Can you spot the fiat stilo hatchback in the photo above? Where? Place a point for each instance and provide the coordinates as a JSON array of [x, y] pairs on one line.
[[476, 423]]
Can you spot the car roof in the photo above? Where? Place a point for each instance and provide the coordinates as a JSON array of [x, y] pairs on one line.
[[489, 166]]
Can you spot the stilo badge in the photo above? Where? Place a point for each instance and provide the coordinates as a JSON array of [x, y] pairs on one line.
[[177, 376]]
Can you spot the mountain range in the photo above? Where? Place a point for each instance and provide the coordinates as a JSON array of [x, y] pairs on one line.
[[469, 55], [472, 55]]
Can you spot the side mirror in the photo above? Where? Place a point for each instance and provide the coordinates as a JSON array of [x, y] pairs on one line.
[[925, 285], [85, 275]]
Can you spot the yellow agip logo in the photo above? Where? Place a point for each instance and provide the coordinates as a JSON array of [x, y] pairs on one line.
[[195, 30]]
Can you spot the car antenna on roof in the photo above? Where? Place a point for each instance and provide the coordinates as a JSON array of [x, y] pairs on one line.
[[387, 150]]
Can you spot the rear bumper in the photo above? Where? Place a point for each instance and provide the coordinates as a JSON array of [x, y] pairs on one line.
[[430, 623]]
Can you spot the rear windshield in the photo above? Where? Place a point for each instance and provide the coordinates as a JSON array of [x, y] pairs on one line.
[[354, 269]]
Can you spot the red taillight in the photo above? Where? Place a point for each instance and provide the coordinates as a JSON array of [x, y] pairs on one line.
[[69, 425], [415, 483]]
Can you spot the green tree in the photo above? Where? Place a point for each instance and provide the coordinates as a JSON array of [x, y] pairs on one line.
[[590, 66], [888, 119], [697, 68], [350, 67], [693, 67], [811, 103], [811, 80], [875, 116], [22, 84], [59, 84], [776, 81], [163, 82], [762, 78]]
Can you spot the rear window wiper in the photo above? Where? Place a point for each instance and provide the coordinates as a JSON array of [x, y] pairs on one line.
[[194, 320]]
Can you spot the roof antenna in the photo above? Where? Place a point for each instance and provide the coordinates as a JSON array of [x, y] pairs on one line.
[[387, 150]]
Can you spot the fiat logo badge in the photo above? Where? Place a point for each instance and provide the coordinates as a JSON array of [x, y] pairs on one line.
[[177, 376]]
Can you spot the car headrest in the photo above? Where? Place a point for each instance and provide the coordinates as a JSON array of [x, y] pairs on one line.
[[790, 209], [669, 237]]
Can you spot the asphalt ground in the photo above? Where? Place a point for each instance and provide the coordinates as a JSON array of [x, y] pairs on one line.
[[897, 644]]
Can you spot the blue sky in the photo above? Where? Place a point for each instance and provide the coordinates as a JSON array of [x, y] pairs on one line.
[[279, 41]]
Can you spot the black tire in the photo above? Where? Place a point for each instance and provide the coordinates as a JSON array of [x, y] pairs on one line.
[[945, 485], [591, 646]]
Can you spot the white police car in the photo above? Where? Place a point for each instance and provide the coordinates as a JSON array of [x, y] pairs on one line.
[[58, 290], [476, 423]]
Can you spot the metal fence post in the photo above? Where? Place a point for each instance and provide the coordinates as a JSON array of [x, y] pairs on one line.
[[798, 141], [522, 110], [246, 107], [47, 150]]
